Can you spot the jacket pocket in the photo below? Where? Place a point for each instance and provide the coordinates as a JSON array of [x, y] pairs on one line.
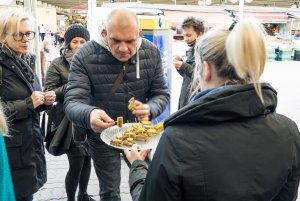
[[13, 146]]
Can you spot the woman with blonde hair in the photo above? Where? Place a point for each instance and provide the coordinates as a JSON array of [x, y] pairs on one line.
[[228, 143], [23, 100], [6, 186]]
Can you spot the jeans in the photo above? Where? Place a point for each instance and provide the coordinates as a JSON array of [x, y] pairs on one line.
[[28, 198], [107, 165]]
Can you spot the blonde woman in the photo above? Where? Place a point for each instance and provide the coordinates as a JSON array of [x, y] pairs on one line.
[[228, 143], [23, 100], [6, 186]]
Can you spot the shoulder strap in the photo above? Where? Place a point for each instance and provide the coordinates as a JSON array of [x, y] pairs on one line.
[[116, 84], [1, 80]]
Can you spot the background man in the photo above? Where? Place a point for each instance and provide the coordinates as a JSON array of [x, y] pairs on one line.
[[192, 28]]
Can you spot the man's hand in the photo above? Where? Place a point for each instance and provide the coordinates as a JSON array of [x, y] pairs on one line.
[[37, 98], [141, 111], [49, 97], [177, 62], [133, 154], [99, 120]]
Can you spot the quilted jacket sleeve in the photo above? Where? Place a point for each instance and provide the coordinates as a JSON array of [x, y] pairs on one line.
[[53, 80], [77, 98], [158, 95]]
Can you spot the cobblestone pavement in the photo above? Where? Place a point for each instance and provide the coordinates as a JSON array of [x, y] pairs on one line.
[[284, 77], [54, 189]]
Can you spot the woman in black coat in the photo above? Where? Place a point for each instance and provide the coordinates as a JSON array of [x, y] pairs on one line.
[[22, 99], [57, 79], [228, 143]]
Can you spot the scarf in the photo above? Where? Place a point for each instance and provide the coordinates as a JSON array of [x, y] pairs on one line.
[[68, 54], [23, 62]]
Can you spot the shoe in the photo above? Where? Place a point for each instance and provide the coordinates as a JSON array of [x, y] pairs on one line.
[[84, 197]]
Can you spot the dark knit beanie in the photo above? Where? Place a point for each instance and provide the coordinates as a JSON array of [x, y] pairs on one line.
[[76, 30]]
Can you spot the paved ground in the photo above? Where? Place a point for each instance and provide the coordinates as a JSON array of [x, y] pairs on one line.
[[283, 76], [54, 189]]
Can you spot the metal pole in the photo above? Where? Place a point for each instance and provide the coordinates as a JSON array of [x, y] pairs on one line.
[[30, 7], [92, 19], [241, 9]]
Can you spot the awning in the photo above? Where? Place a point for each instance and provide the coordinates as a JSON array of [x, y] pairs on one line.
[[210, 18], [295, 15], [266, 17]]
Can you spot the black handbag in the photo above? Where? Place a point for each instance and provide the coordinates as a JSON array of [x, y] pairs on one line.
[[58, 140]]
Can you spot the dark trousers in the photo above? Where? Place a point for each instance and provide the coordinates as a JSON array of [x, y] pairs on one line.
[[27, 198], [107, 165]]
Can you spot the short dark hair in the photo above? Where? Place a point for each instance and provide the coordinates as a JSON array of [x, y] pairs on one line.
[[197, 24]]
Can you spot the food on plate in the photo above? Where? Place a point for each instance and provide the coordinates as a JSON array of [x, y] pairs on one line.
[[131, 105], [120, 121], [141, 132]]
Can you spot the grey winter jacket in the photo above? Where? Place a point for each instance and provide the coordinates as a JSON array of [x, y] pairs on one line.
[[92, 74], [224, 146]]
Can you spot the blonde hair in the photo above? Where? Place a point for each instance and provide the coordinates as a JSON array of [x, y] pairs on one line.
[[211, 48], [10, 22], [238, 55], [3, 125], [246, 50]]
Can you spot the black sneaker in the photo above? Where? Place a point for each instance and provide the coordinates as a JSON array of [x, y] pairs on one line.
[[84, 197]]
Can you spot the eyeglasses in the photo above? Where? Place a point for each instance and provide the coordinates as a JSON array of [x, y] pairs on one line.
[[19, 36]]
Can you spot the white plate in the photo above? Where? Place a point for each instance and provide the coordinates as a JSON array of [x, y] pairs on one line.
[[108, 134]]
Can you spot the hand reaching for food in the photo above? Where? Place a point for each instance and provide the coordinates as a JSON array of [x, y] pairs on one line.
[[134, 154], [99, 120], [141, 111]]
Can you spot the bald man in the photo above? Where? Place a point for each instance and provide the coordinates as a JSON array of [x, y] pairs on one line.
[[90, 101]]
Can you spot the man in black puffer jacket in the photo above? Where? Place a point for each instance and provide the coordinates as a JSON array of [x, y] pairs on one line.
[[94, 69]]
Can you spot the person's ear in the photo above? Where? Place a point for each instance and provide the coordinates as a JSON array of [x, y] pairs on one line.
[[140, 33], [104, 32], [207, 71]]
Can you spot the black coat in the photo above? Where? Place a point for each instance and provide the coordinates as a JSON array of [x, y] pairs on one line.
[[186, 71], [224, 146], [25, 141], [57, 80], [94, 71]]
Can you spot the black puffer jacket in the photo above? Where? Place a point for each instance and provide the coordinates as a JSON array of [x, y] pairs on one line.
[[92, 74], [186, 71], [25, 141], [224, 146]]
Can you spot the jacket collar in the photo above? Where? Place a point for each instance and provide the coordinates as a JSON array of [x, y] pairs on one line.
[[13, 65], [229, 103]]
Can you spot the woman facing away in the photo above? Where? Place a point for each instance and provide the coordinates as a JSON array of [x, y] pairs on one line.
[[23, 100], [57, 79], [228, 143], [6, 186]]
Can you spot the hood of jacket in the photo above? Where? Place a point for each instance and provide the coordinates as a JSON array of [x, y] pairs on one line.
[[231, 103]]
